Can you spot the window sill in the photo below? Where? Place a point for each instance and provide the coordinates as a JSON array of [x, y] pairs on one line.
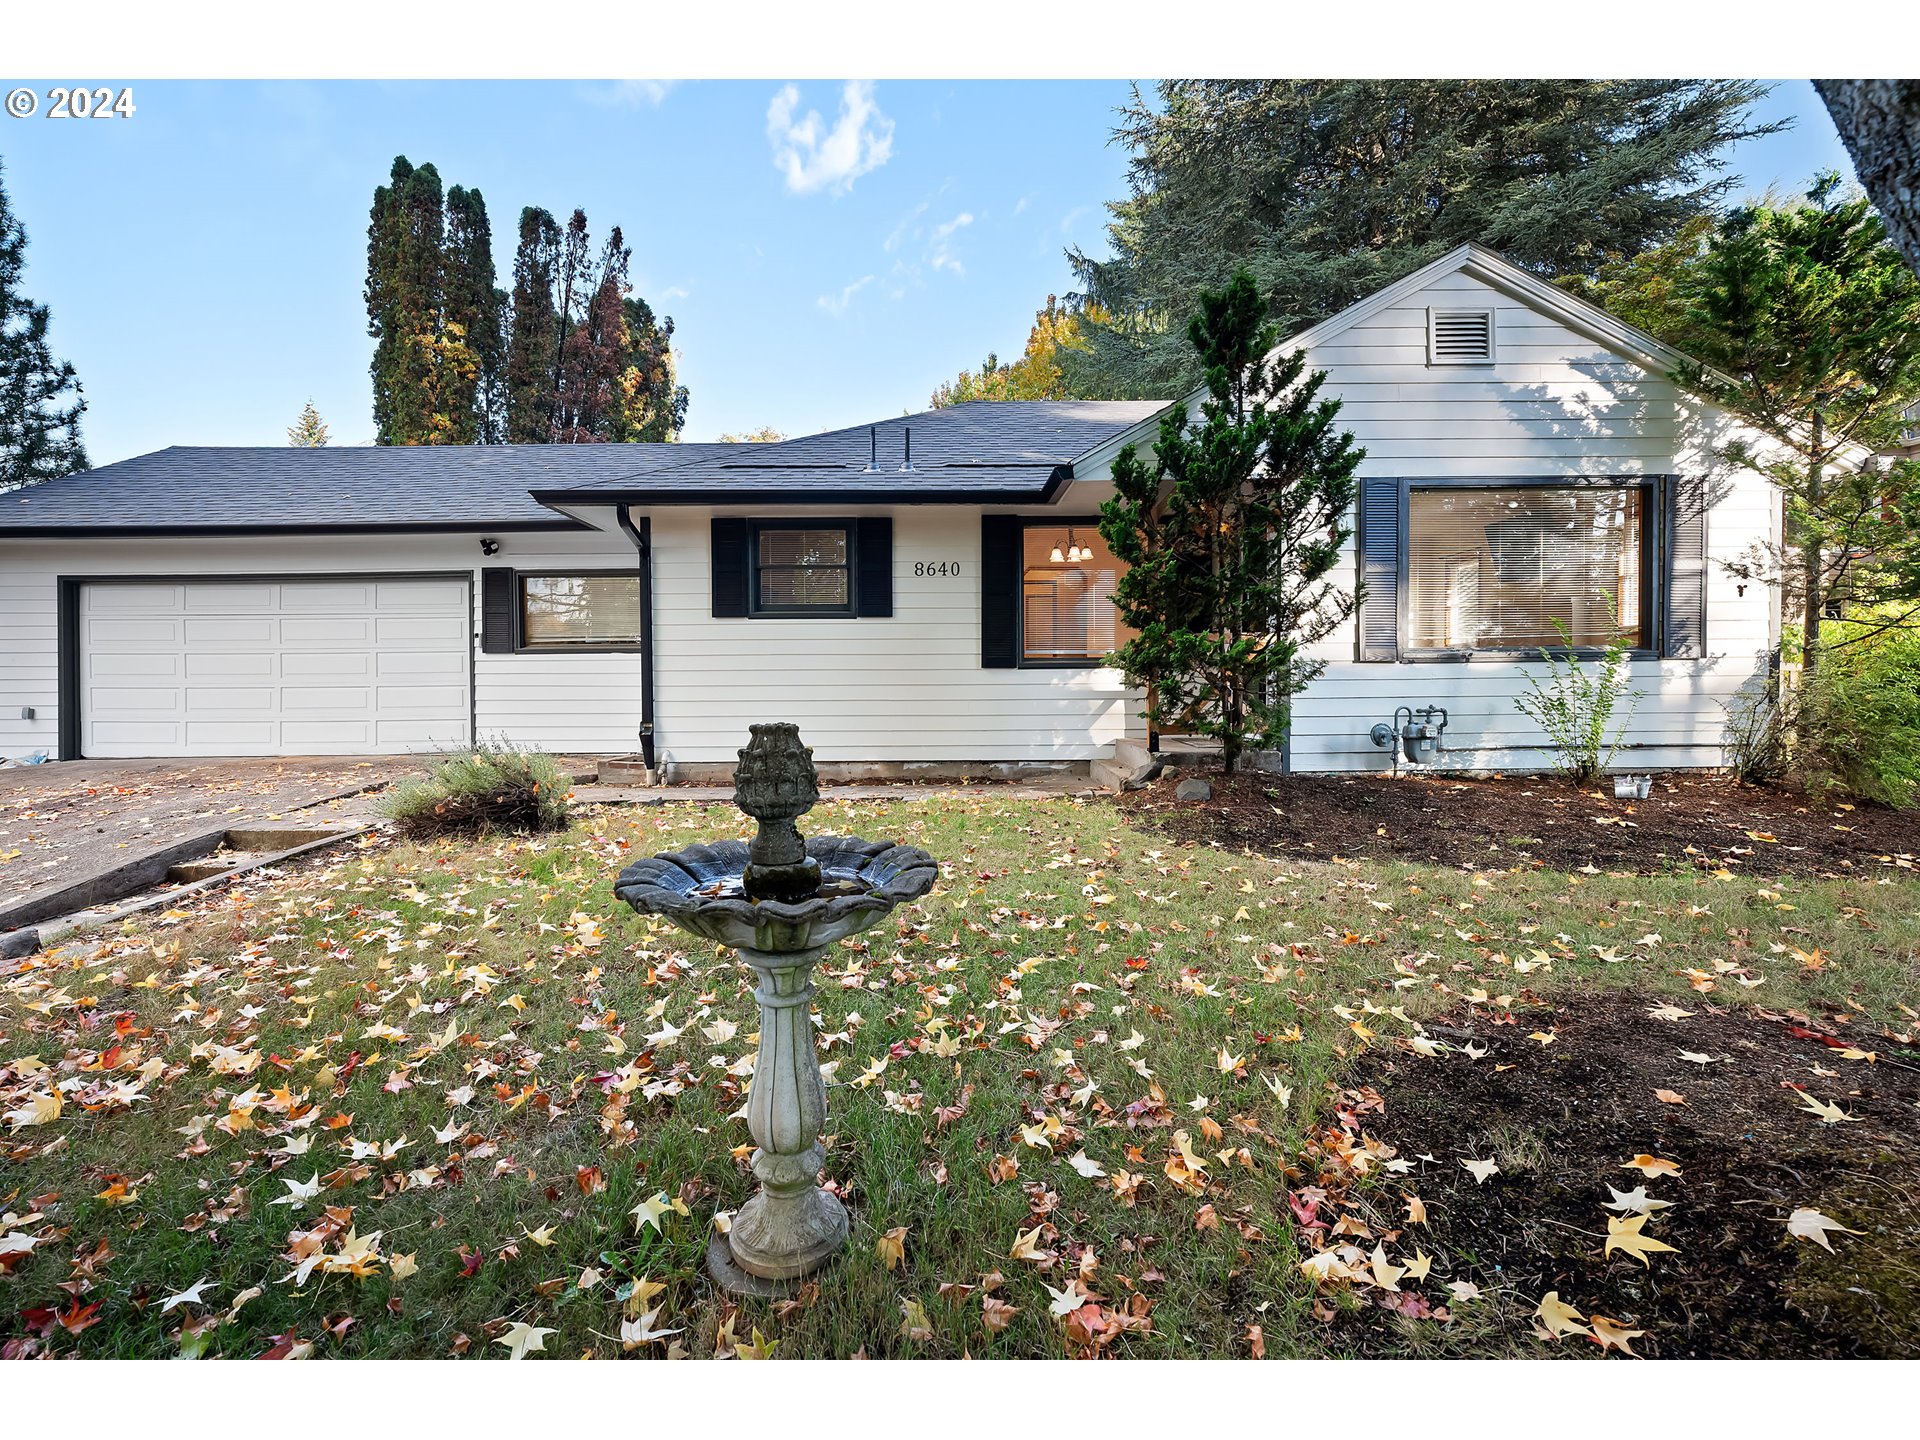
[[1534, 654], [625, 647]]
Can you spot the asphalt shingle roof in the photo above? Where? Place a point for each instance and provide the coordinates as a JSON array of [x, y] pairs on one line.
[[994, 450]]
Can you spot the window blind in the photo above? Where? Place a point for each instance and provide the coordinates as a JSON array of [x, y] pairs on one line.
[[1521, 568]]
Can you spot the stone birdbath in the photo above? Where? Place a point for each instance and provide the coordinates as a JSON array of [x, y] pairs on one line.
[[780, 902]]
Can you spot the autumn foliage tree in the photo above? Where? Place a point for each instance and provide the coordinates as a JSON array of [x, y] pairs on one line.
[[1231, 534], [1044, 370]]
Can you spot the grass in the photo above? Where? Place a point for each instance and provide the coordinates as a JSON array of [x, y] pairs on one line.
[[355, 1001]]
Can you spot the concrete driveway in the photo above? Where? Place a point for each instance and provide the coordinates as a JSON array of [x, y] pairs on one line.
[[61, 824]]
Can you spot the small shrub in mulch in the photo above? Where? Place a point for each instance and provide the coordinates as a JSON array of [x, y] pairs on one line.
[[1562, 1121], [488, 788], [1688, 822]]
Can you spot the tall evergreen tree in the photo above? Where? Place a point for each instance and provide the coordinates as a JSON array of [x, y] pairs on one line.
[[309, 432], [1231, 533], [586, 360], [533, 331], [421, 359], [40, 398], [1326, 190], [475, 304]]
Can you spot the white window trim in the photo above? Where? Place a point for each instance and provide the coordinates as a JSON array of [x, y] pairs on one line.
[[1434, 357]]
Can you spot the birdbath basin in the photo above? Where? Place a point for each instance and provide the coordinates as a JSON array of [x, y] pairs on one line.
[[780, 901]]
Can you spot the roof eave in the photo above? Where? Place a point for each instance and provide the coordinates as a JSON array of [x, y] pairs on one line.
[[98, 530], [813, 496]]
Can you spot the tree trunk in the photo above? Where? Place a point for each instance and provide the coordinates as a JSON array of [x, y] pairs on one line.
[[1811, 557], [1880, 122]]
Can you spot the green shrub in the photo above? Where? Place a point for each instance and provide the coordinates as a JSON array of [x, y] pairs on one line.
[[1757, 730], [1857, 729], [493, 786], [1576, 705]]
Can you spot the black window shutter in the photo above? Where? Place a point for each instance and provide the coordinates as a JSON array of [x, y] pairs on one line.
[[1686, 629], [999, 592], [1380, 542], [873, 558], [729, 568], [496, 609]]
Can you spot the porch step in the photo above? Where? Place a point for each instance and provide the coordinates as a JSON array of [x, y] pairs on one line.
[[1131, 767], [271, 839], [192, 870]]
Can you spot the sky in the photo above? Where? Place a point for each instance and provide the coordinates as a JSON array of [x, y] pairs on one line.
[[829, 251]]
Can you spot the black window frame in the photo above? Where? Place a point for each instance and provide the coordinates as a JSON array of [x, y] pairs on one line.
[[757, 610], [1653, 539], [1021, 661], [522, 645]]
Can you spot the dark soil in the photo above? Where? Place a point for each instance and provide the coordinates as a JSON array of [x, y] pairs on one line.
[[1687, 822], [1563, 1119]]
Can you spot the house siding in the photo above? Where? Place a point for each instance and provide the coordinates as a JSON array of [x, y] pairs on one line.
[[1554, 403], [903, 688]]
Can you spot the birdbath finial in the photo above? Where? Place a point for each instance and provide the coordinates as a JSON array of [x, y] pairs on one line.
[[775, 783]]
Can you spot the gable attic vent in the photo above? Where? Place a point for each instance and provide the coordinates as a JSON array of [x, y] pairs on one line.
[[1459, 337]]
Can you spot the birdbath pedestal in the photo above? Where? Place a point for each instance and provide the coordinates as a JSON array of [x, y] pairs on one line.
[[780, 903]]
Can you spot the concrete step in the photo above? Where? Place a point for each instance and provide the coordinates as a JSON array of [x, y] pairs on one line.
[[1132, 752], [271, 839], [189, 871], [1109, 774]]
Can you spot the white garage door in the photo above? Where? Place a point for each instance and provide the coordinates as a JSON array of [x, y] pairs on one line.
[[306, 667]]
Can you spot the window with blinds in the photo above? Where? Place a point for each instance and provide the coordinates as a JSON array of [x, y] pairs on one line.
[[1067, 581], [561, 611], [801, 570], [1522, 568]]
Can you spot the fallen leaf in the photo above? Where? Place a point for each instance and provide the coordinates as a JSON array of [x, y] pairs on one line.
[[1612, 1334], [521, 1338], [892, 1247], [1482, 1170], [1623, 1233], [1559, 1318], [1812, 1225]]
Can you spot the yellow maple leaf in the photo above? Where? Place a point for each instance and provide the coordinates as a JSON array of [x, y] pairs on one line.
[[1624, 1233], [1612, 1334], [1559, 1318], [1652, 1166], [892, 1247]]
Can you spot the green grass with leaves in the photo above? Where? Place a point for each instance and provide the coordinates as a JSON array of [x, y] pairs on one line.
[[470, 1050]]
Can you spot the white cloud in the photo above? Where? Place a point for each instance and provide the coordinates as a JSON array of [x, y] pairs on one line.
[[813, 157], [940, 254], [959, 222], [629, 94], [837, 304]]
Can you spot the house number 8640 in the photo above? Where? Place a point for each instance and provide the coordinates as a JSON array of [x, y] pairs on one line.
[[923, 568]]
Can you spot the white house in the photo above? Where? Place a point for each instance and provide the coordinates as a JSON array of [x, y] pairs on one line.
[[927, 591]]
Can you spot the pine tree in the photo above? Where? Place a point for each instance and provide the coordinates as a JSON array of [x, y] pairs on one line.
[[533, 331], [1229, 536], [1326, 190], [40, 398], [309, 432], [475, 305], [1803, 321]]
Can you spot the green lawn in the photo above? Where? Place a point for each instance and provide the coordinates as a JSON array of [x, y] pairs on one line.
[[472, 1053]]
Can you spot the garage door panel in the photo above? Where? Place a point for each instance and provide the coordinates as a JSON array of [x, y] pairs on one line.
[[274, 668], [141, 598], [230, 700], [145, 665], [233, 665], [228, 630], [317, 630], [407, 664], [118, 700], [325, 596], [102, 632], [231, 737], [227, 599], [401, 734], [441, 597], [139, 732], [420, 629], [333, 664]]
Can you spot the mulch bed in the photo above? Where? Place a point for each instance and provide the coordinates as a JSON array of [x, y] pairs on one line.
[[1687, 822], [1567, 1116]]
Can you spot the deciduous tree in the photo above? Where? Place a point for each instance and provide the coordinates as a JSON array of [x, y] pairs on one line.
[[1231, 535], [1041, 371]]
